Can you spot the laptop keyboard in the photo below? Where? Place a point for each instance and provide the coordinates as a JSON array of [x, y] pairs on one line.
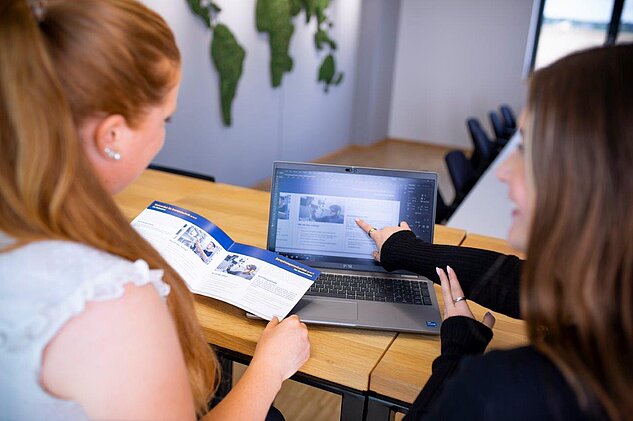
[[371, 289]]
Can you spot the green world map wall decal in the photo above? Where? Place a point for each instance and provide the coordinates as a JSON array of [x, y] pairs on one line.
[[226, 53], [273, 17], [228, 57], [327, 71]]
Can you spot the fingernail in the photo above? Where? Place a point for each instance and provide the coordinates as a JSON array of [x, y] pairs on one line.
[[448, 268], [438, 271]]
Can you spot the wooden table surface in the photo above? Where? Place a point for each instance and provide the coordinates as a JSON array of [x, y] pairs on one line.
[[340, 355], [406, 366]]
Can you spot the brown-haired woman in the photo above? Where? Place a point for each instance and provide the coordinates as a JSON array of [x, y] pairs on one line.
[[85, 90], [572, 184]]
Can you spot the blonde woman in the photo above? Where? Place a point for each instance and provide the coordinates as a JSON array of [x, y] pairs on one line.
[[93, 322], [571, 182]]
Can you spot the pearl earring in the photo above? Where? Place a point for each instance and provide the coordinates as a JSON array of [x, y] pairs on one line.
[[112, 154]]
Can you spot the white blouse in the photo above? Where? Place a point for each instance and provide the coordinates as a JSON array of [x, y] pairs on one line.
[[42, 286]]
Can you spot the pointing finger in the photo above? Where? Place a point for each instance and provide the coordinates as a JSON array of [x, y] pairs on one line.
[[363, 225]]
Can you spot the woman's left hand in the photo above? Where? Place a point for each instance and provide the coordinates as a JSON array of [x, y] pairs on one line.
[[454, 300]]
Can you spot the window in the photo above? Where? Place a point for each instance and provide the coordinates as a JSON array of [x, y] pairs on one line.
[[625, 33], [565, 26]]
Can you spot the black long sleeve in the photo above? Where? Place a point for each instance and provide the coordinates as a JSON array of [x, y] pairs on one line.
[[488, 278], [519, 384], [461, 336]]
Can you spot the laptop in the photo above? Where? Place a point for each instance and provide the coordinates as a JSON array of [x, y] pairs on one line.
[[312, 219]]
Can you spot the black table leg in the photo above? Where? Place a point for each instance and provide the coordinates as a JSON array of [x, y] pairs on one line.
[[378, 411], [352, 407]]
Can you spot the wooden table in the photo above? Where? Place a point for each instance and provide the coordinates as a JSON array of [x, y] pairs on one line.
[[342, 359], [406, 366]]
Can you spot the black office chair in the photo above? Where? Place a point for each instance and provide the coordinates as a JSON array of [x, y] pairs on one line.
[[510, 122], [475, 157], [442, 210], [502, 132], [485, 149], [461, 171], [182, 172], [463, 177]]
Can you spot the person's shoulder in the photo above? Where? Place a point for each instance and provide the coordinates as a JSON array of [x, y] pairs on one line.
[[59, 254], [58, 268], [520, 382], [50, 270], [137, 346], [57, 280]]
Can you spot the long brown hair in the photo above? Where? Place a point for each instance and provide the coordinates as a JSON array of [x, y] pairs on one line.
[[83, 59], [577, 293]]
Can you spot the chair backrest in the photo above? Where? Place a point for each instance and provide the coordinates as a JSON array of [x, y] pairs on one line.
[[475, 158], [484, 147], [508, 116], [442, 211], [497, 125], [462, 173], [182, 172]]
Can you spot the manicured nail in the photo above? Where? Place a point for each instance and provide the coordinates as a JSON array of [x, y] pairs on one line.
[[448, 268], [438, 271]]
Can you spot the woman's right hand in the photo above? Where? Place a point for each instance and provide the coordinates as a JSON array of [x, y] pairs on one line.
[[455, 303], [380, 235], [283, 348]]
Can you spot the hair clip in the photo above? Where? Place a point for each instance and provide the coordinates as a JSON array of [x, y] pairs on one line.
[[38, 9]]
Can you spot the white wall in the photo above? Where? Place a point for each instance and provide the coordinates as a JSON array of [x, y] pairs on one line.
[[456, 59], [376, 53], [297, 121]]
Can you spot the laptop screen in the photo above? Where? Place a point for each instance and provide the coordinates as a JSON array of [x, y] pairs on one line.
[[313, 210]]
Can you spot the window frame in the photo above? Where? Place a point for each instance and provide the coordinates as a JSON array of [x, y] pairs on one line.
[[537, 21]]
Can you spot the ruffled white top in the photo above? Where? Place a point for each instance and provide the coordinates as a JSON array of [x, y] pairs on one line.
[[42, 286]]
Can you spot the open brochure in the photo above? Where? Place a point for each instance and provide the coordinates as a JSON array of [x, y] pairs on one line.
[[212, 264]]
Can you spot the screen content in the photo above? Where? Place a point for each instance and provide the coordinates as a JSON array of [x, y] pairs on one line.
[[316, 211]]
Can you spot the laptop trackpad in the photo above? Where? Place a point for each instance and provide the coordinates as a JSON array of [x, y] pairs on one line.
[[319, 309]]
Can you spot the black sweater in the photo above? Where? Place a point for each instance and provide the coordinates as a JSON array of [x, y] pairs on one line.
[[519, 384]]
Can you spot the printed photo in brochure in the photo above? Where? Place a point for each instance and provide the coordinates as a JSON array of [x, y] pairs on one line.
[[237, 265], [198, 242]]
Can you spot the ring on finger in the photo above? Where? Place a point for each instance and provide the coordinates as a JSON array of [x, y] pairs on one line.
[[458, 299], [372, 229]]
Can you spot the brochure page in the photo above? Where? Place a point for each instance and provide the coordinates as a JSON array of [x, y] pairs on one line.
[[212, 264]]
